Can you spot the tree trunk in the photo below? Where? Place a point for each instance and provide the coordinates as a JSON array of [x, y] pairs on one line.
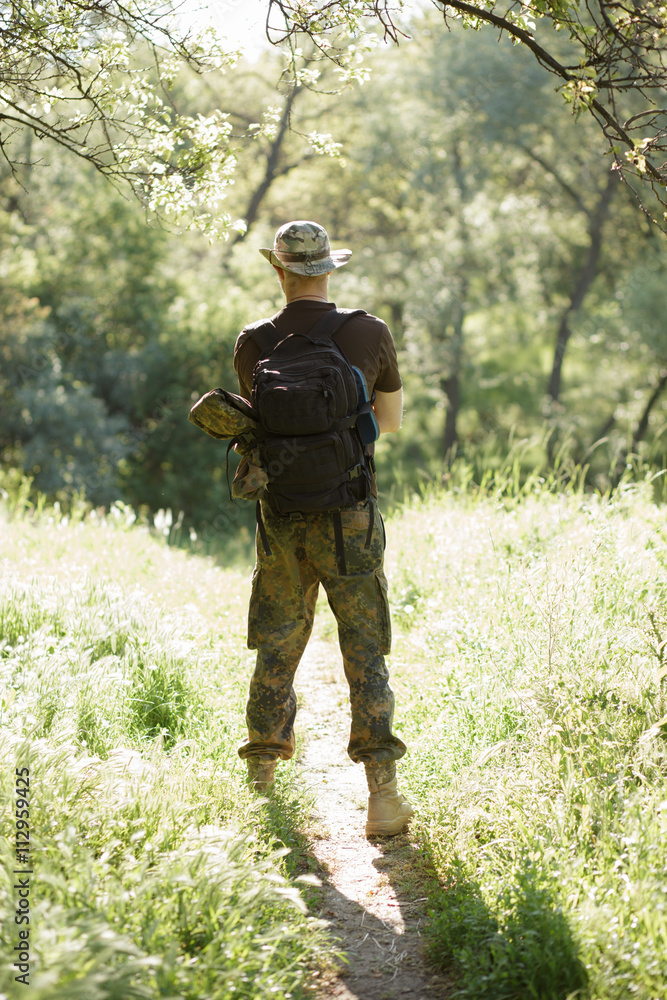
[[596, 221], [451, 387], [397, 323], [641, 428], [271, 170], [450, 384]]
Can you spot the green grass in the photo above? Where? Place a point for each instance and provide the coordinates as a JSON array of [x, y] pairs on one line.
[[123, 674], [530, 625], [530, 681]]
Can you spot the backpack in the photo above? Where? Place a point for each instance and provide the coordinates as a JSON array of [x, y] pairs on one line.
[[315, 418]]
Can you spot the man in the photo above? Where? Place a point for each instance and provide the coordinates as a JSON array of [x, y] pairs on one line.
[[303, 553]]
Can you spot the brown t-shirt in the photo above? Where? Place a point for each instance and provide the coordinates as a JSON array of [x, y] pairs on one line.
[[365, 340]]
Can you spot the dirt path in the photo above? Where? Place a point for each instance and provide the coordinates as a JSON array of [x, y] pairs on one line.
[[373, 898]]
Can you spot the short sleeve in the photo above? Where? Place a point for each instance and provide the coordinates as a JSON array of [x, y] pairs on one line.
[[246, 356], [388, 379]]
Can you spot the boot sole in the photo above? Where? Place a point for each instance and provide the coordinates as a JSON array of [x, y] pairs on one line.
[[387, 827]]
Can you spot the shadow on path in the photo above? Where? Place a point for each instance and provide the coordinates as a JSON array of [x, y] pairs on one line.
[[374, 902], [378, 896], [372, 897]]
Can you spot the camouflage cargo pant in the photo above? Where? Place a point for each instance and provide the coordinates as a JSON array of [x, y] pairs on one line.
[[282, 608]]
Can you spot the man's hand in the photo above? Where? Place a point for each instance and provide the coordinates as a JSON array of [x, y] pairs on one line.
[[388, 409]]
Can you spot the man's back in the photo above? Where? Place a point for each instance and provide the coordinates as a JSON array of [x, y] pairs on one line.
[[365, 341]]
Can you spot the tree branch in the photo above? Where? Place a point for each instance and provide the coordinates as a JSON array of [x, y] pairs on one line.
[[550, 169], [546, 59]]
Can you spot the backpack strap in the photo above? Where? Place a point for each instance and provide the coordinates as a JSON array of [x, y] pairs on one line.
[[265, 333], [229, 448], [339, 542], [332, 321]]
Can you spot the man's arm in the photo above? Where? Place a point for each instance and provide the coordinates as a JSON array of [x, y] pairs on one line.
[[388, 409]]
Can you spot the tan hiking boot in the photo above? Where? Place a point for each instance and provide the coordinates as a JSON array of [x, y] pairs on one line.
[[261, 771], [388, 811]]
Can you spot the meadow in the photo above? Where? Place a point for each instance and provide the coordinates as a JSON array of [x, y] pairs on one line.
[[529, 665]]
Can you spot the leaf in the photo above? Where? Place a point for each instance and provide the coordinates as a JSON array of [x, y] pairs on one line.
[[309, 880], [490, 752]]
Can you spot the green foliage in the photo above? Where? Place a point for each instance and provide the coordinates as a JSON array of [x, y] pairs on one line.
[[97, 386], [138, 897], [529, 662], [468, 220], [526, 950], [160, 698], [95, 81], [588, 53]]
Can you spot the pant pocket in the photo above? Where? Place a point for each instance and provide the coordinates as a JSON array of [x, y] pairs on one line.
[[355, 524]]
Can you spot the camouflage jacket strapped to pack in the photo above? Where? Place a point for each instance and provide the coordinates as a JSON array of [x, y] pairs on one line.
[[226, 416]]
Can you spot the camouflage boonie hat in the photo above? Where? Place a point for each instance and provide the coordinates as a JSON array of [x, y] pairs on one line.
[[303, 248]]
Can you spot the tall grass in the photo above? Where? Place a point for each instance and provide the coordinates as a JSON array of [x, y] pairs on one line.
[[530, 623], [140, 889], [514, 467], [122, 680], [530, 671]]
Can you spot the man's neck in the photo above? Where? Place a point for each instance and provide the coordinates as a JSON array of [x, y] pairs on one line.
[[311, 297], [308, 290]]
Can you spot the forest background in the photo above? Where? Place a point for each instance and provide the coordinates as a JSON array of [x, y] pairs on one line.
[[522, 283]]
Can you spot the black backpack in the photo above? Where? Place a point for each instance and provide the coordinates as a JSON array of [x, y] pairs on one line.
[[315, 418]]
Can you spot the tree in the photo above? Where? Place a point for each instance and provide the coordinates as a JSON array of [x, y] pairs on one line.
[[477, 222], [277, 154], [95, 78], [634, 329], [613, 63], [103, 79]]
